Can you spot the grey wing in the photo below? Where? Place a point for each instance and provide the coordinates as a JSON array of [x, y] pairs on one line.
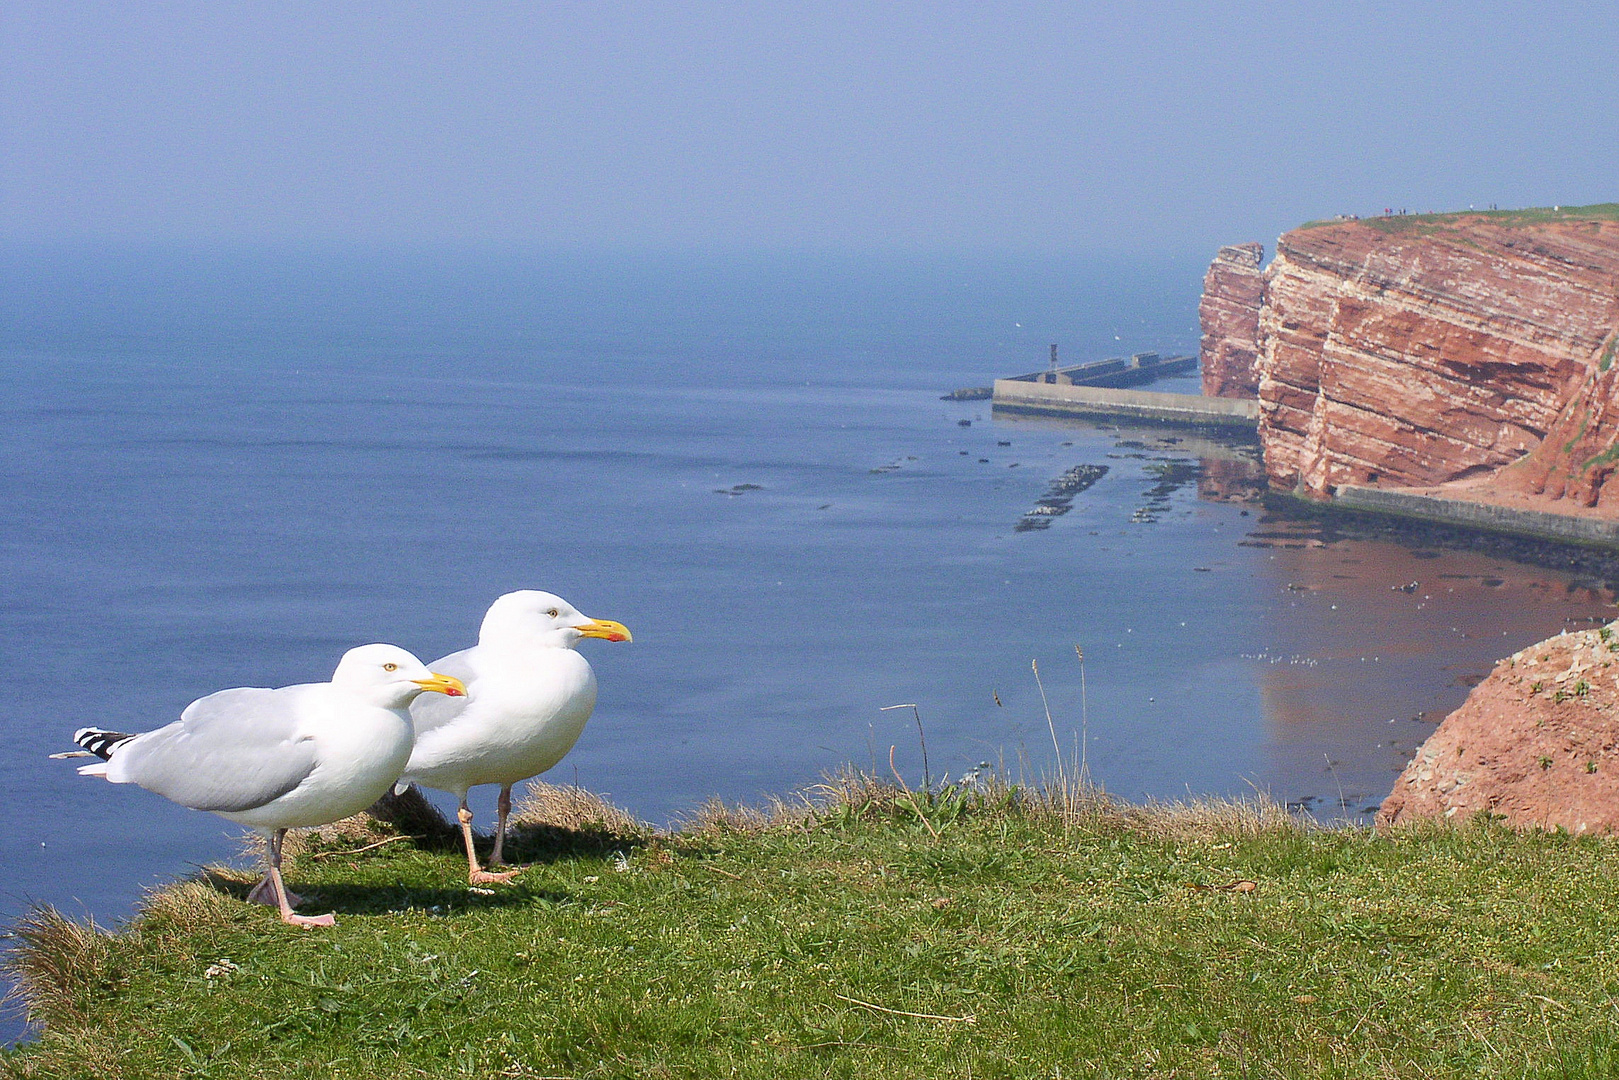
[[435, 710], [229, 751]]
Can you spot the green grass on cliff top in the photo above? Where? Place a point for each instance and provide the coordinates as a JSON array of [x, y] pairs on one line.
[[989, 935], [1530, 216]]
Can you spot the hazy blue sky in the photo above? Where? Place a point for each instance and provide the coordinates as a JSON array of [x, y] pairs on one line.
[[1160, 127]]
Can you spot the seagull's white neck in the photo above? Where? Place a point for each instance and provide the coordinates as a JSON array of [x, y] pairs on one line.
[[391, 696], [507, 642]]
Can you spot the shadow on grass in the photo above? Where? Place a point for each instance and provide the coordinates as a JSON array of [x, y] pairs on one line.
[[393, 900], [546, 844], [551, 824], [343, 899]]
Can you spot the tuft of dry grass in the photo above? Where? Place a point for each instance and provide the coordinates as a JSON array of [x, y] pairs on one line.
[[204, 900], [1215, 819], [565, 806], [716, 816], [852, 787], [55, 962], [843, 794]]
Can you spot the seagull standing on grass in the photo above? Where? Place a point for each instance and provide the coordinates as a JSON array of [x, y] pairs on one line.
[[273, 760], [528, 697]]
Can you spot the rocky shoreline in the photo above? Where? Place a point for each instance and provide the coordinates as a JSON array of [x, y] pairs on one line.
[[1536, 744]]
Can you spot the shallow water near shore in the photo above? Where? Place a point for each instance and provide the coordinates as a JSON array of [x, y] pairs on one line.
[[225, 472]]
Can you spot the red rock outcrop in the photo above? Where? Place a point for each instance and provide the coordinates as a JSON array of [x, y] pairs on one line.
[[1576, 459], [1413, 352], [1536, 743], [1229, 313]]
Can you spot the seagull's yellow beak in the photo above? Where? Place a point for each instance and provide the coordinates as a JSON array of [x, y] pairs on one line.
[[443, 684], [605, 628]]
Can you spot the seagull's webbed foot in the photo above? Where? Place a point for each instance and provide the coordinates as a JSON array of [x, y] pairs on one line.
[[476, 874], [264, 893], [293, 919]]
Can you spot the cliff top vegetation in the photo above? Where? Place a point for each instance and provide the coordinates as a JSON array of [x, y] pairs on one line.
[[982, 932], [1400, 223]]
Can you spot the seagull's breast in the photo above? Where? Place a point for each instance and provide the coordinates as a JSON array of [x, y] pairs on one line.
[[523, 714]]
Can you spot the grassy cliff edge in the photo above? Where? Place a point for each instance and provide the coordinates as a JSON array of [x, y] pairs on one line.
[[973, 933]]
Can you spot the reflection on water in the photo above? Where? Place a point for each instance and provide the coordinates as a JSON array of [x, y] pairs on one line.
[[1398, 635], [1356, 635]]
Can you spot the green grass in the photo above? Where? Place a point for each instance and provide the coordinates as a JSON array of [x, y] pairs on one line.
[[1037, 940], [1430, 223], [1606, 457]]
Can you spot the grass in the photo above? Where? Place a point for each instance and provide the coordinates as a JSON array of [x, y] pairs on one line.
[[1428, 223], [962, 933]]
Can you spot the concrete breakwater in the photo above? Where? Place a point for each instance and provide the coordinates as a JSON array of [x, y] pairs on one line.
[[1116, 372], [1539, 524], [1019, 396]]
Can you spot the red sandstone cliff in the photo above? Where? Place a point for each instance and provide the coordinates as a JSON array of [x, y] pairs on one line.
[[1576, 459], [1536, 743], [1229, 314], [1413, 352]]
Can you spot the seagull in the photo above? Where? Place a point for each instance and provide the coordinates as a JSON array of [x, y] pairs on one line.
[[274, 760], [528, 697]]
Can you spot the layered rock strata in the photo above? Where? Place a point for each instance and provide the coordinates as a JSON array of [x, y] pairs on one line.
[[1535, 744], [1414, 352], [1576, 459], [1229, 313]]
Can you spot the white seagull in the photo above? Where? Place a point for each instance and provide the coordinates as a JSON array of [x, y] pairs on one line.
[[528, 697], [274, 760]]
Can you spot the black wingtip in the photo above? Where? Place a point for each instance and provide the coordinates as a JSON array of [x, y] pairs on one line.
[[99, 742]]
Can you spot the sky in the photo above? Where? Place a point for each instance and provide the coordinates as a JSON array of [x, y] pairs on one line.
[[1041, 126]]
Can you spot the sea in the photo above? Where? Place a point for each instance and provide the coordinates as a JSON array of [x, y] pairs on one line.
[[225, 467]]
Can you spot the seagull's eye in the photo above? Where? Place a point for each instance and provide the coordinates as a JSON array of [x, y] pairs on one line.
[[390, 667], [553, 613]]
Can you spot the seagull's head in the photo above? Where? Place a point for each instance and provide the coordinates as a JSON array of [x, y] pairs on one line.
[[531, 619], [389, 677]]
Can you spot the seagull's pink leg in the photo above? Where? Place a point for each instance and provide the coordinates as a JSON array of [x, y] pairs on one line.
[[264, 893], [283, 897], [504, 811], [476, 875]]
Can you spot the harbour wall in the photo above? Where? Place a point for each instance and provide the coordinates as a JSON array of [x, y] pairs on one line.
[[1014, 395], [1539, 524]]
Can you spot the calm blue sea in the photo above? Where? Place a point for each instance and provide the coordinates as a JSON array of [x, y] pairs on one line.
[[225, 468]]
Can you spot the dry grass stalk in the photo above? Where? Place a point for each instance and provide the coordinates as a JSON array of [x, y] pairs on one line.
[[718, 816], [54, 962], [197, 902], [910, 796], [565, 806], [1215, 819], [851, 787]]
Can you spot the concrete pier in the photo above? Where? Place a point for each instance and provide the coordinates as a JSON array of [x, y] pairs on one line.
[[1017, 395], [1562, 528]]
